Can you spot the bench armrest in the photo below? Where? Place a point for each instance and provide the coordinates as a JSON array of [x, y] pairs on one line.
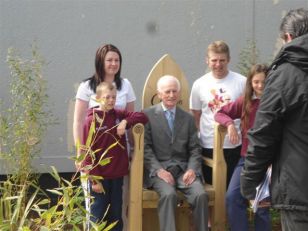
[[136, 180]]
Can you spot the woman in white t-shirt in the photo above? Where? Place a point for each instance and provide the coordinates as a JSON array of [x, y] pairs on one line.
[[108, 61]]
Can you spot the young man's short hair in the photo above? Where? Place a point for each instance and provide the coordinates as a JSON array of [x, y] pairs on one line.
[[219, 47]]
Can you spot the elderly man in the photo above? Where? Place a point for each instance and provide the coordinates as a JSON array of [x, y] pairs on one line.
[[172, 157]]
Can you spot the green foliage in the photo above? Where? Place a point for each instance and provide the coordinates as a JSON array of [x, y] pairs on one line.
[[22, 126], [23, 205], [248, 57], [13, 211], [24, 122], [68, 213], [39, 214]]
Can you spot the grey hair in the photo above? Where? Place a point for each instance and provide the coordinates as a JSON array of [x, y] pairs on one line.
[[295, 23], [166, 78]]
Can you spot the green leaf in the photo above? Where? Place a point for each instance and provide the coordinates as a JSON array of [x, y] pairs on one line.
[[109, 227], [90, 134], [80, 158], [105, 161], [44, 228], [87, 168], [94, 177], [55, 192], [26, 229], [44, 202], [55, 174]]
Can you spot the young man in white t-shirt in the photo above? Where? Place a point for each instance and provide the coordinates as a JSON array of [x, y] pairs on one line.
[[210, 92]]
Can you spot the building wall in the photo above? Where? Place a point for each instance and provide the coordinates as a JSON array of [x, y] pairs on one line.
[[68, 33]]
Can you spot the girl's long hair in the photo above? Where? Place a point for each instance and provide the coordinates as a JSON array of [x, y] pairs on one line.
[[255, 69]]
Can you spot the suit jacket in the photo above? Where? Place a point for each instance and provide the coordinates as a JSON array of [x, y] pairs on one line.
[[162, 149]]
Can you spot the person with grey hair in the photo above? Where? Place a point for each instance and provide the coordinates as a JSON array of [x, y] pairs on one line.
[[172, 157], [279, 136]]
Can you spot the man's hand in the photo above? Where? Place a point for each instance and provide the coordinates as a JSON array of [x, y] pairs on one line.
[[121, 128], [165, 176], [189, 177], [233, 135]]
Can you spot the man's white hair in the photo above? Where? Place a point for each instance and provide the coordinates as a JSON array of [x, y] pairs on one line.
[[167, 78]]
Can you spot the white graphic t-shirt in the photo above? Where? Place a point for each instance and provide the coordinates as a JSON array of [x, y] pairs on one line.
[[209, 94]]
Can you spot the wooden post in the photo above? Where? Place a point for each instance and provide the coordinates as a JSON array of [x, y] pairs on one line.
[[219, 179], [136, 181]]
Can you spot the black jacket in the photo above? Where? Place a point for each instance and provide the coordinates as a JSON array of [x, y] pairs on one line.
[[280, 133]]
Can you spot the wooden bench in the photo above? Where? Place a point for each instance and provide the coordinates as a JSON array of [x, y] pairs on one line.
[[142, 214]]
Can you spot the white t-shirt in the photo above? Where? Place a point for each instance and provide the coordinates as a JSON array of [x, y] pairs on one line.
[[124, 96], [208, 94]]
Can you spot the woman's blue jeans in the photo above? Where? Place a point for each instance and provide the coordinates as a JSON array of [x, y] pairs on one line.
[[237, 206]]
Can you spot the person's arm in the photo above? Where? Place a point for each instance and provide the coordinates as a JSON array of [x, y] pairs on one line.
[[79, 117], [129, 119], [226, 116], [233, 134], [130, 97], [195, 103], [121, 128], [229, 112], [130, 106], [197, 116], [194, 149]]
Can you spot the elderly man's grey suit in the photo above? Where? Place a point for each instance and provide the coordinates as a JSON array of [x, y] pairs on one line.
[[182, 151]]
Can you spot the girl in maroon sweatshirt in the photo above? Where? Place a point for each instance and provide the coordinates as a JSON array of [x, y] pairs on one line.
[[244, 108], [106, 158]]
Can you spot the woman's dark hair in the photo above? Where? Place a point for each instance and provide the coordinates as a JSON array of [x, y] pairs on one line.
[[255, 69], [99, 75]]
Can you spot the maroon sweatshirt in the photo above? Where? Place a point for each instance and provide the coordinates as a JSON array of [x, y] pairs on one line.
[[103, 138], [234, 110]]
